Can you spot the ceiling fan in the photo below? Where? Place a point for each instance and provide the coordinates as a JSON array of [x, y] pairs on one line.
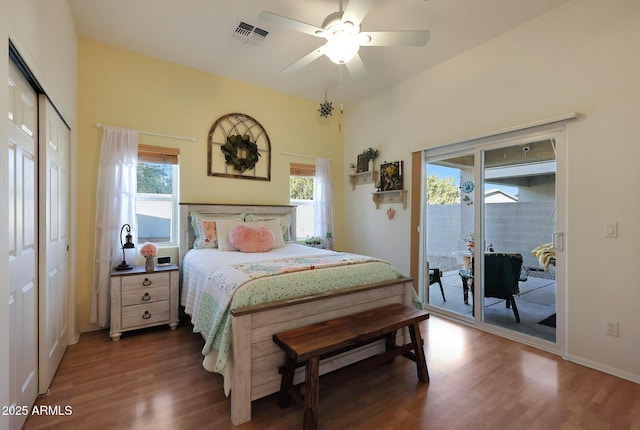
[[342, 31]]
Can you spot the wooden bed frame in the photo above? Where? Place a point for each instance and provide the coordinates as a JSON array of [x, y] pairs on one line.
[[256, 358]]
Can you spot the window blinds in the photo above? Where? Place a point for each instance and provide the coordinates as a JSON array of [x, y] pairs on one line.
[[157, 154], [299, 169]]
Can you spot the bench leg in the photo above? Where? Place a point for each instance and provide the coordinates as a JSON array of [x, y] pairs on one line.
[[390, 344], [284, 398], [421, 361], [312, 393]]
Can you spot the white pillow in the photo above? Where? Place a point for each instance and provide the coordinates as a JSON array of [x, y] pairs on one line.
[[224, 227]]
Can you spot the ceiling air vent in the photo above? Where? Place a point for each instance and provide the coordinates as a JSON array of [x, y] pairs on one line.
[[249, 33]]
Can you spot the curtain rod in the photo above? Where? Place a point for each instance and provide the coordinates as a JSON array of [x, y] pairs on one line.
[[191, 139], [291, 154]]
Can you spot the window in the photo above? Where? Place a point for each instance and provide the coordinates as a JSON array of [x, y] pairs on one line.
[[301, 185], [157, 195]]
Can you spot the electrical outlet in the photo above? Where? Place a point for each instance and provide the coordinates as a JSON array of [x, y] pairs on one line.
[[612, 328]]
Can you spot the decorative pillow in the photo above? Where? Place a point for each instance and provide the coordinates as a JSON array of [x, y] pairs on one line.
[[205, 229], [284, 220], [274, 226], [251, 239]]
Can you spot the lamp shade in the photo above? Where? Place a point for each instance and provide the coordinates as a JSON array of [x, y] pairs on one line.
[[341, 48]]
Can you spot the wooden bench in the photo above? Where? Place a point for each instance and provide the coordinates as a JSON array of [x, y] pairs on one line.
[[312, 343]]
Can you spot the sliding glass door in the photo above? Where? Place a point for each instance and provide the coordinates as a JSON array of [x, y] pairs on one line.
[[450, 231], [492, 241], [518, 222]]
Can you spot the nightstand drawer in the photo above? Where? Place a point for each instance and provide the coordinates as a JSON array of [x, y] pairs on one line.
[[140, 296], [147, 314], [146, 280]]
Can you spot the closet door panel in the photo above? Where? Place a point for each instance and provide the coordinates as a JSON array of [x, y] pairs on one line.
[[23, 243], [54, 196]]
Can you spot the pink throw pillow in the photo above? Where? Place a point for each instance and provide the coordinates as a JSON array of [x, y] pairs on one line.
[[251, 239]]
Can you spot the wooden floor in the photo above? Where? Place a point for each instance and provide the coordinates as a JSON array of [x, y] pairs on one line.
[[154, 379]]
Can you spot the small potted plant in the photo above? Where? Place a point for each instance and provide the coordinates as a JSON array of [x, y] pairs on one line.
[[314, 241]]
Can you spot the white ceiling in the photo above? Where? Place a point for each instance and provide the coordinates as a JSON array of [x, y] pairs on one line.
[[198, 34]]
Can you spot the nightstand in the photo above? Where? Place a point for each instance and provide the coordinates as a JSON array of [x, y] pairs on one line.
[[142, 299]]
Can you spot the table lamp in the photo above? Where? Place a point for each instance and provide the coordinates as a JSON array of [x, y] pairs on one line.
[[128, 244]]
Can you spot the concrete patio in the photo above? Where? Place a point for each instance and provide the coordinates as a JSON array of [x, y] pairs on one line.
[[536, 301]]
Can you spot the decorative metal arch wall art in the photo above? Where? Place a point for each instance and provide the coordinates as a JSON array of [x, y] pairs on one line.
[[239, 147]]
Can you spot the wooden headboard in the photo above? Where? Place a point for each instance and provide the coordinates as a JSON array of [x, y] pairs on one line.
[[187, 235]]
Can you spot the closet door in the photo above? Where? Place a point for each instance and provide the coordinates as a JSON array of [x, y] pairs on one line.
[[23, 243], [54, 239]]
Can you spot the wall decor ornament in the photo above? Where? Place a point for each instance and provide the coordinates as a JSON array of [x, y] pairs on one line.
[[363, 163], [326, 108], [366, 159], [239, 147], [391, 212], [467, 187], [391, 176], [240, 152]]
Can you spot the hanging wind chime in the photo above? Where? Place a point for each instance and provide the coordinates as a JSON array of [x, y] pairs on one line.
[[326, 108]]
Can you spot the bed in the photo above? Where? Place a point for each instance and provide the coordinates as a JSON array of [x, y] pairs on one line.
[[238, 325]]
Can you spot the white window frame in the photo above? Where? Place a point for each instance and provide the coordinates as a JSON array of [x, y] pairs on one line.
[[300, 202], [175, 210]]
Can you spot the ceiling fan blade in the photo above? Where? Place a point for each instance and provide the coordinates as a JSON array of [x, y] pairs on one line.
[[356, 68], [356, 10], [395, 38], [291, 24], [310, 57]]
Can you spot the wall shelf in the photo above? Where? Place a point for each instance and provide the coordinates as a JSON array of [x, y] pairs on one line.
[[362, 178], [390, 197]]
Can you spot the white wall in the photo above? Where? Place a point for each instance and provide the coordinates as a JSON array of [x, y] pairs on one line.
[[582, 56], [44, 34]]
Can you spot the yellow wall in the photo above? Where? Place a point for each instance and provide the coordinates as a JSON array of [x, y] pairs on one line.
[[124, 89]]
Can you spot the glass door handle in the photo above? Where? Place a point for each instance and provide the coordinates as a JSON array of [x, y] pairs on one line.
[[558, 240]]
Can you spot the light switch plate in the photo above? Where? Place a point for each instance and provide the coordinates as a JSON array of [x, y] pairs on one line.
[[610, 229]]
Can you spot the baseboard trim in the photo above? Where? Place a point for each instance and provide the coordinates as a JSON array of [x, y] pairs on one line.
[[603, 368]]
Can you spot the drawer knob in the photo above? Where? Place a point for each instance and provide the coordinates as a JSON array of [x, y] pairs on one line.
[[146, 297], [146, 282], [146, 315]]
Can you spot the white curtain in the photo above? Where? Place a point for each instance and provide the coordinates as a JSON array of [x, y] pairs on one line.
[[115, 206], [323, 195]]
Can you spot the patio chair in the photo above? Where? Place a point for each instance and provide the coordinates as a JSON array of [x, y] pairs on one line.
[[501, 277], [434, 276]]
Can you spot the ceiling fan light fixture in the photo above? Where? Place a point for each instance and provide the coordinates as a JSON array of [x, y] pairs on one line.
[[341, 48], [363, 39], [350, 28]]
